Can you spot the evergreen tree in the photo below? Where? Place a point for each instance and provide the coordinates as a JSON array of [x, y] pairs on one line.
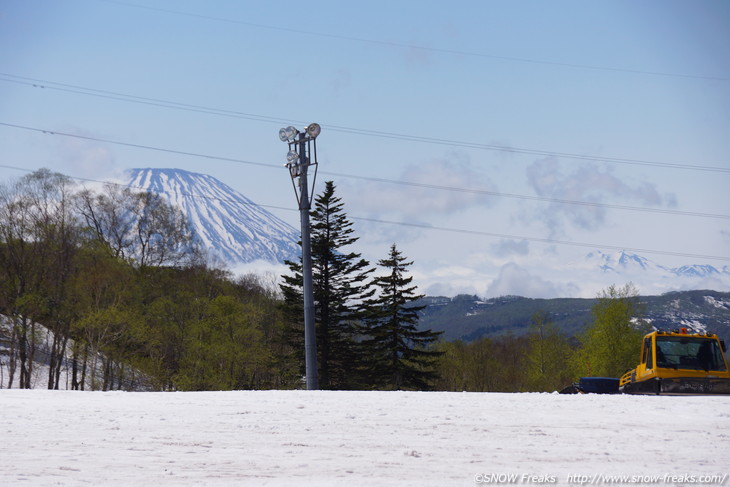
[[398, 351], [341, 286], [292, 310]]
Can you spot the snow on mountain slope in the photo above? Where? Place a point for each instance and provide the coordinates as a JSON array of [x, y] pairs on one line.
[[696, 270], [718, 303], [339, 438], [623, 262], [599, 269], [227, 224]]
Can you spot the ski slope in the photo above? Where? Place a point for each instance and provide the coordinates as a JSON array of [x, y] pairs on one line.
[[317, 438]]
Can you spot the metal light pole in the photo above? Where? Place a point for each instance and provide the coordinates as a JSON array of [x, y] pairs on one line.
[[302, 154]]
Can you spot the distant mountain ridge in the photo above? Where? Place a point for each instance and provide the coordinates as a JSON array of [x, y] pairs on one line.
[[623, 262], [232, 229], [228, 225], [469, 318]]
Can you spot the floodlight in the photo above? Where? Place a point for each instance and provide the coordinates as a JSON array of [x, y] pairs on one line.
[[298, 164], [292, 157], [313, 130]]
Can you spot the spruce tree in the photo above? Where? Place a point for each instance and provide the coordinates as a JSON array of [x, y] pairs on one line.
[[341, 286], [399, 352]]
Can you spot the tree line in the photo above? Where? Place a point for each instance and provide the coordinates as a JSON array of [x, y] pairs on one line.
[[118, 279], [545, 360], [365, 341], [366, 321]]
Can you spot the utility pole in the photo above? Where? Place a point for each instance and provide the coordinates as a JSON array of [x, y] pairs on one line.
[[302, 154]]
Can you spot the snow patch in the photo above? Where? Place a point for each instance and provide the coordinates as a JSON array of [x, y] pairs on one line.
[[693, 325], [717, 303]]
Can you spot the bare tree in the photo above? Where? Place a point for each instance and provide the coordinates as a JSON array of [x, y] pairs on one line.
[[140, 227], [38, 238], [163, 236], [108, 216]]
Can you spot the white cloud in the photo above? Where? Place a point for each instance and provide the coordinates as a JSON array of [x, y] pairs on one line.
[[508, 247], [86, 158], [441, 186], [447, 280], [591, 183], [515, 280], [381, 235]]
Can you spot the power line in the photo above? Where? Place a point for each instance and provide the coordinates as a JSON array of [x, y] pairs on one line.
[[381, 180], [140, 146], [142, 188], [68, 88], [113, 95], [529, 197], [541, 240], [424, 226], [478, 55], [522, 150]]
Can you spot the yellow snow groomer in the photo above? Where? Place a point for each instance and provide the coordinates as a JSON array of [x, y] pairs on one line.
[[679, 363]]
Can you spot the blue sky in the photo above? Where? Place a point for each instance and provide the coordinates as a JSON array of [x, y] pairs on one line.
[[639, 91]]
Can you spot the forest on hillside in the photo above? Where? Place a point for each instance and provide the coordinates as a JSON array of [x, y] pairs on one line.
[[468, 317], [117, 280]]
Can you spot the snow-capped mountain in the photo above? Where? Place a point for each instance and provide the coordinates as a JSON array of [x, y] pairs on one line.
[[228, 225], [622, 262], [697, 270]]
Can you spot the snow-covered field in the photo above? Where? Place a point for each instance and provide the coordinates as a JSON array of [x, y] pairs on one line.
[[301, 438]]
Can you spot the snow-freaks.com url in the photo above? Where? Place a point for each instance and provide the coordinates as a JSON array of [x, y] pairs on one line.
[[601, 479], [607, 479]]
